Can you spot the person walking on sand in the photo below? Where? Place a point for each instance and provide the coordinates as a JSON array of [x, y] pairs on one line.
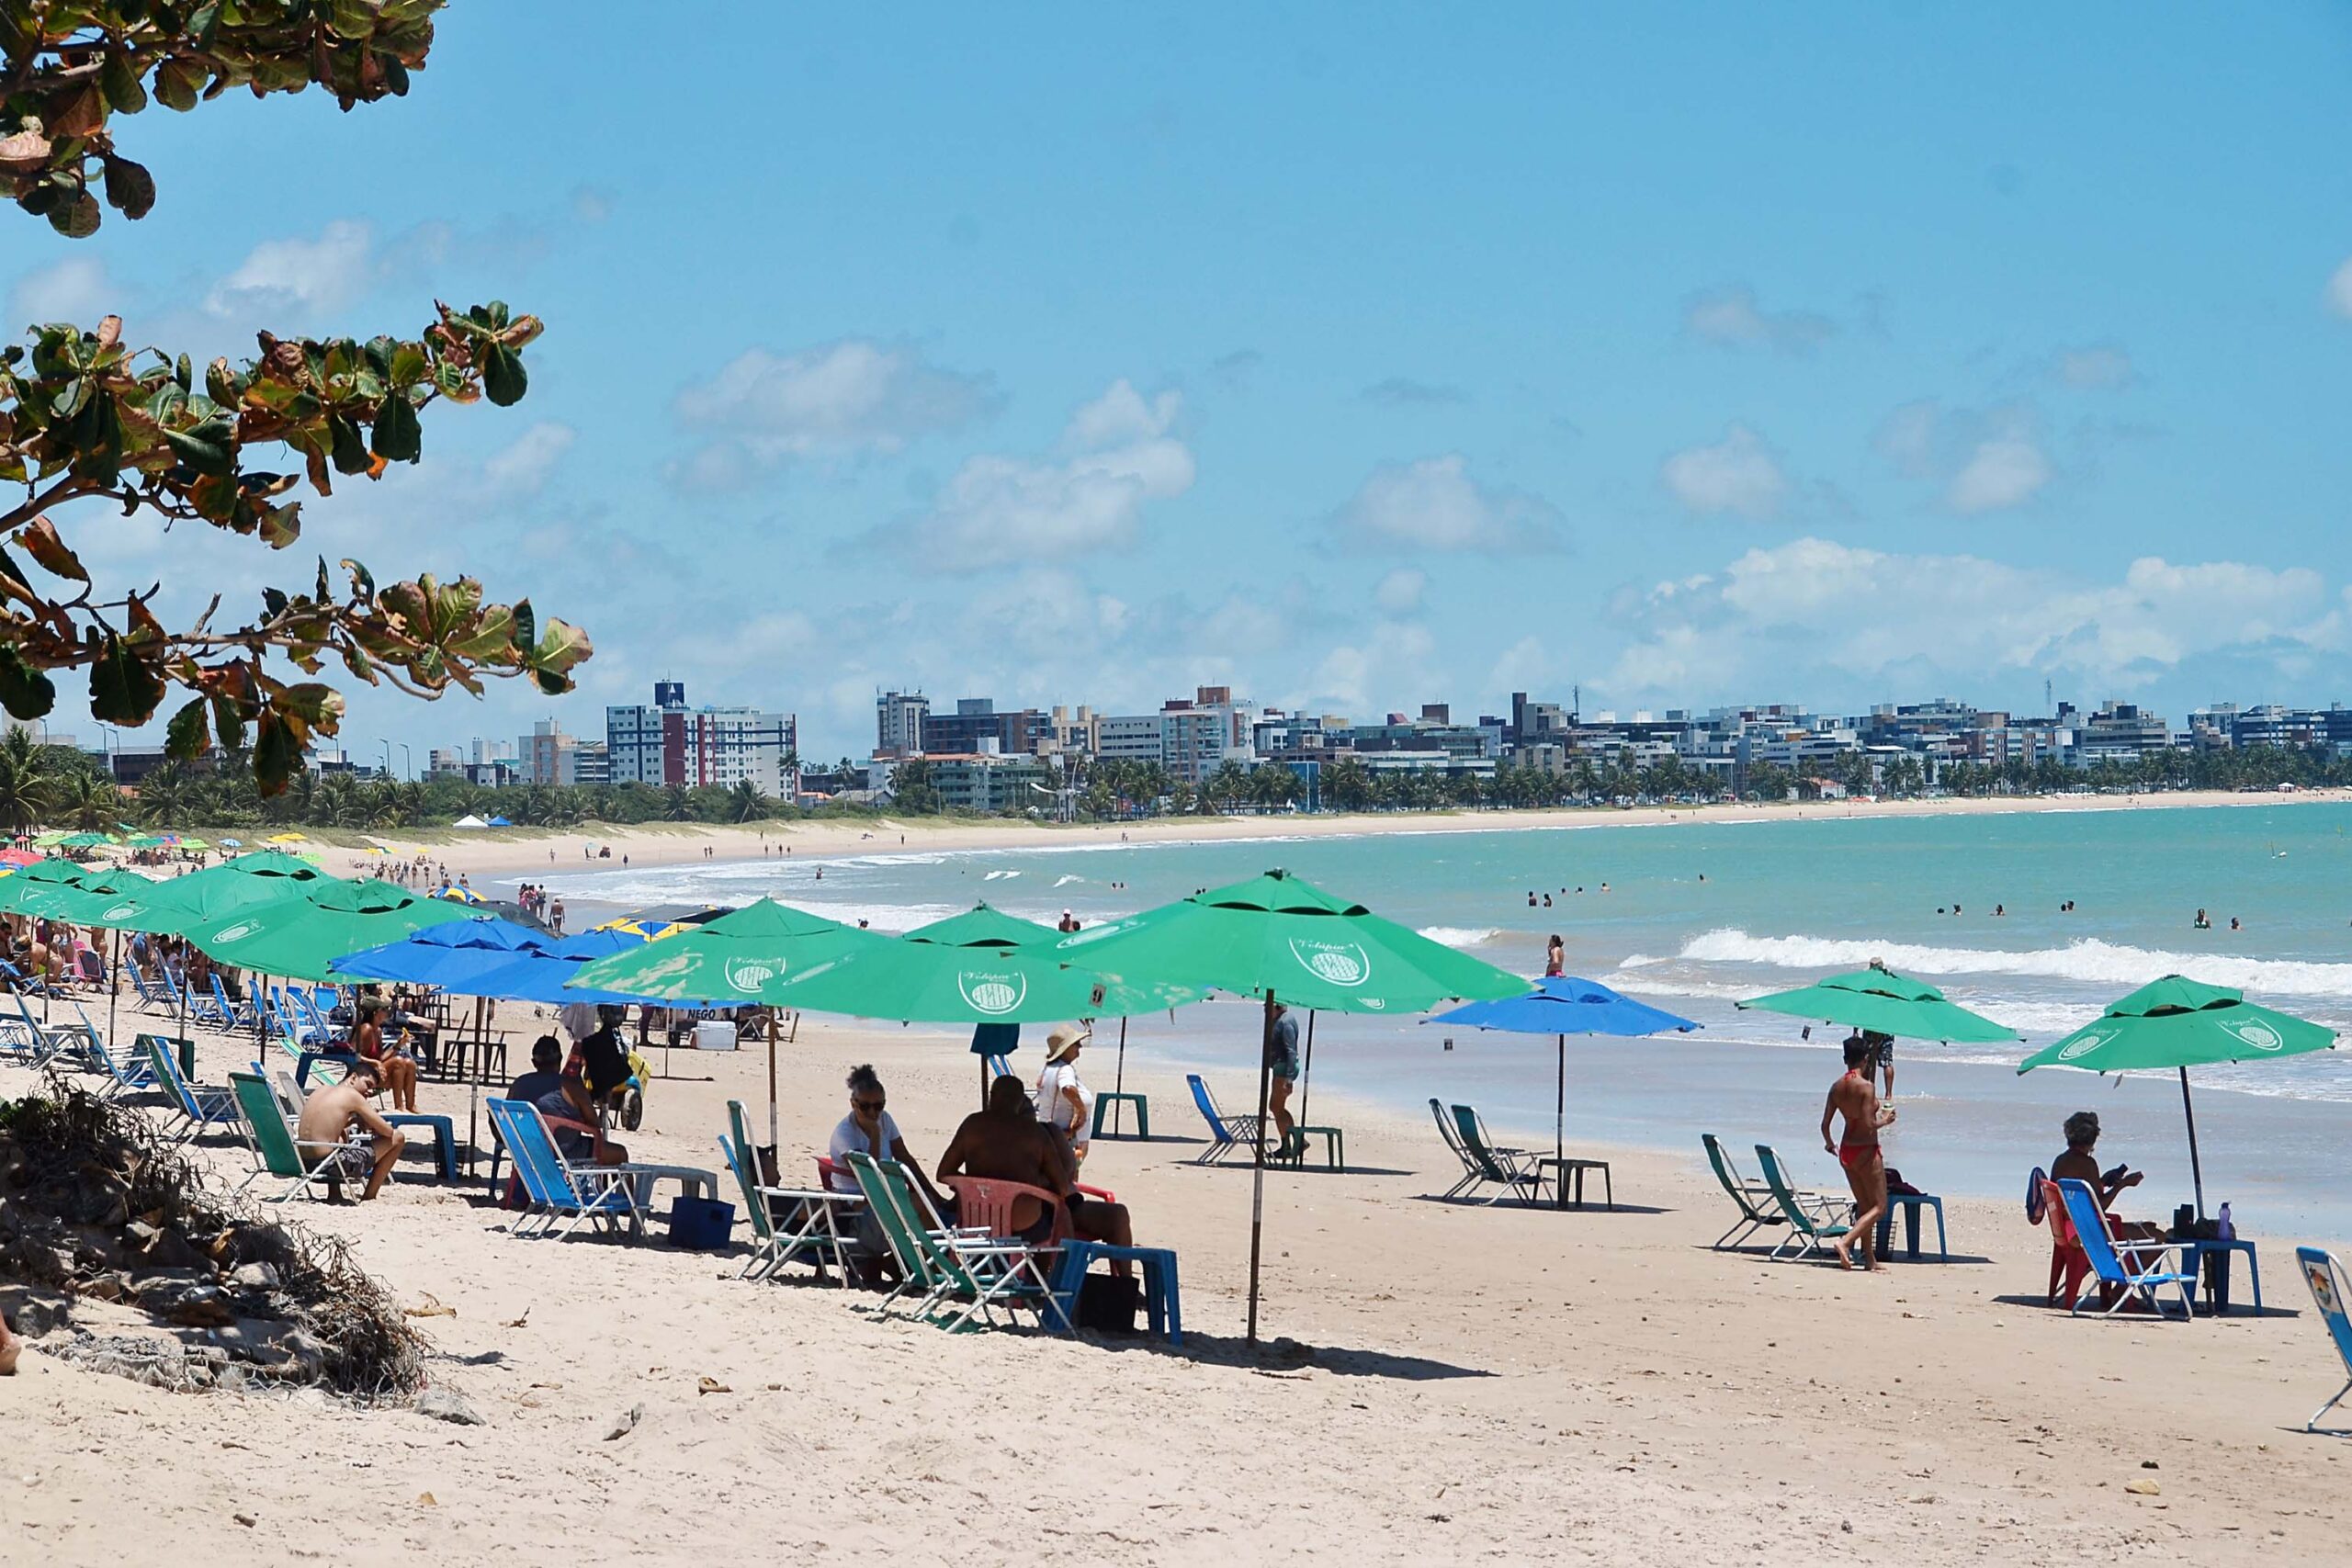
[[1282, 1061], [1858, 1150]]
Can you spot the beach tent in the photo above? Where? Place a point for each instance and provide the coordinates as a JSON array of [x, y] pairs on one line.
[[740, 957], [1282, 938], [2179, 1023], [1879, 999], [1563, 1005], [498, 822], [469, 820]]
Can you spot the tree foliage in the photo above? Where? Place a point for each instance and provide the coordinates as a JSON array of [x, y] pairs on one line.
[[73, 66], [84, 418]]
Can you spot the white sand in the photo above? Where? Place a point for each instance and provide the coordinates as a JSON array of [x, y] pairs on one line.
[[1450, 1383]]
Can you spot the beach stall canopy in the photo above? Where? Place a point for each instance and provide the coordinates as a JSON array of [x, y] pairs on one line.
[[1562, 1004], [301, 936], [1879, 999], [1279, 937], [469, 820], [2175, 1024]]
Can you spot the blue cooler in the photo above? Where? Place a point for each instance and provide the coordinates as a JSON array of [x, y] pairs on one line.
[[701, 1225]]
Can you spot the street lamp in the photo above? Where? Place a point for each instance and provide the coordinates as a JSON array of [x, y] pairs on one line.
[[388, 757], [408, 761]]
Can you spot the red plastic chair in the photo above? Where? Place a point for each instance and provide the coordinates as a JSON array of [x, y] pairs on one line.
[[2069, 1264]]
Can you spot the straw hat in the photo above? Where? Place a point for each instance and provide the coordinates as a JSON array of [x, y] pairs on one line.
[[1065, 1038]]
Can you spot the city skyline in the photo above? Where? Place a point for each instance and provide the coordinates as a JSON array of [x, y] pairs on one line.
[[1525, 352]]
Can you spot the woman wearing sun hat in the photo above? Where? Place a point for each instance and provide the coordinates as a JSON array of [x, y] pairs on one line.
[[1063, 1101]]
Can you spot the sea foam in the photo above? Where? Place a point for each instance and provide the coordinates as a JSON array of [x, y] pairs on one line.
[[1461, 936], [2089, 961]]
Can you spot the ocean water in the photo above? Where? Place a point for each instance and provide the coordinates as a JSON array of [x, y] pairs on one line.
[[1693, 915]]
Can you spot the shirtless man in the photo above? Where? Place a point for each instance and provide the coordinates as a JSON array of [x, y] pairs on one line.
[[1007, 1143], [332, 1112], [1853, 1097]]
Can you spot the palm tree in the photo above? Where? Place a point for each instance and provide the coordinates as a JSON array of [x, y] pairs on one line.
[[747, 802], [25, 783], [87, 801], [677, 803]]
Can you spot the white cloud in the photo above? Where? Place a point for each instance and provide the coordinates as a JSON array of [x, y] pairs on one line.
[[524, 467], [1436, 504], [1400, 591], [2098, 367], [76, 289], [1731, 317], [1983, 460], [314, 278], [1738, 474], [2003, 470], [2339, 289], [1360, 679], [846, 399], [1118, 454], [1813, 608]]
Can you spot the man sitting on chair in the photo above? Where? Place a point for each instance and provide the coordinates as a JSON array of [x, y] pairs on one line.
[[1007, 1143], [330, 1113]]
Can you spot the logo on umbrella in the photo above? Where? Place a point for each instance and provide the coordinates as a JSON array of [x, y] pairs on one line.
[[2091, 1041], [1334, 963], [2257, 1033], [231, 934], [990, 992], [748, 975], [117, 912]]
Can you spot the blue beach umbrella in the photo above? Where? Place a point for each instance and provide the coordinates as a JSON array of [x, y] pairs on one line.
[[494, 958], [1562, 1004]]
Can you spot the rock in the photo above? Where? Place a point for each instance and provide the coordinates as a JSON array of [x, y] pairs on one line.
[[444, 1404], [108, 1287], [255, 1277], [180, 1298], [625, 1423], [2143, 1488], [42, 1315], [274, 1347], [100, 1197]]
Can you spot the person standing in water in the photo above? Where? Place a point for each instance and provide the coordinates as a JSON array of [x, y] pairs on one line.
[[1555, 958], [1856, 1149]]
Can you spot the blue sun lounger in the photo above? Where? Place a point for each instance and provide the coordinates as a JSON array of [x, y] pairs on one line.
[[2332, 1295]]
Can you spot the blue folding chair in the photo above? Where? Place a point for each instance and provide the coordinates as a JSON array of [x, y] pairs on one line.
[[1228, 1134], [2332, 1295], [2132, 1269], [554, 1190], [199, 1105]]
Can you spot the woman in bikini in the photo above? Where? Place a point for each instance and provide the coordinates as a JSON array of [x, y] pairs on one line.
[[1857, 1151]]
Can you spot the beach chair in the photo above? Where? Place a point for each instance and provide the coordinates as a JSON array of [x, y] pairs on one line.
[[1809, 1215], [554, 1190], [1471, 1174], [205, 1007], [1512, 1172], [1228, 1134], [139, 984], [199, 1106], [811, 1228], [966, 1279], [2069, 1264], [2332, 1293], [124, 1075], [278, 1148], [238, 1014], [2133, 1270], [1756, 1208]]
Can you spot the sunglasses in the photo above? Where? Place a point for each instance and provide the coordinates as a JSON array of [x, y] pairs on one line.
[[871, 1107]]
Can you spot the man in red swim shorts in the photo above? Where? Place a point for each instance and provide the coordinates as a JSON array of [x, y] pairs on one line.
[[1853, 1097]]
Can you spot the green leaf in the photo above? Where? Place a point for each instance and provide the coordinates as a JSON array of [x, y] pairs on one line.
[[188, 734], [76, 217], [526, 626], [227, 722], [124, 688], [129, 187], [180, 84], [397, 437], [502, 375], [206, 448], [350, 452], [25, 691], [119, 79], [278, 752]]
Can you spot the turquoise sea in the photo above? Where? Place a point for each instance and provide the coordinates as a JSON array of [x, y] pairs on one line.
[[1692, 915]]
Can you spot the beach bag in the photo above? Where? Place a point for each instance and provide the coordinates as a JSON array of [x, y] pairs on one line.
[[700, 1224], [2033, 1195], [1898, 1188], [1108, 1304]]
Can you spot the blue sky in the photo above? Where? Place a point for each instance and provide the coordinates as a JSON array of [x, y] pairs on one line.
[[1360, 356]]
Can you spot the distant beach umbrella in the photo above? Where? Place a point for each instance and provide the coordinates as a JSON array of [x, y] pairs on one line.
[[1562, 1004], [664, 919], [59, 890], [984, 925], [2179, 1023], [175, 905], [1279, 937], [1880, 1001]]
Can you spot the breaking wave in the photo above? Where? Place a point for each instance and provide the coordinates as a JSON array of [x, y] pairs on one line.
[[2089, 961], [1461, 936]]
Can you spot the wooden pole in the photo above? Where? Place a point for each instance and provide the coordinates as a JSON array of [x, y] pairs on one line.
[[1306, 1074], [1119, 1078], [1257, 1156], [1560, 1104]]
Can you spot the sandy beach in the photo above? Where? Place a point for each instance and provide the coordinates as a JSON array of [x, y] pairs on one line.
[[497, 853], [1440, 1382]]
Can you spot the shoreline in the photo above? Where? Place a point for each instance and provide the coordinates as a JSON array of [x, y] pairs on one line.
[[516, 852]]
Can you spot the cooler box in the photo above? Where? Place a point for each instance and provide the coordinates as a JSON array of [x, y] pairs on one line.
[[714, 1034], [701, 1225]]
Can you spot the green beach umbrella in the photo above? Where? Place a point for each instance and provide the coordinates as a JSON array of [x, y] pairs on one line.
[[178, 904], [84, 841], [984, 925], [1879, 999], [745, 956], [2179, 1023], [1282, 938], [300, 938], [917, 980]]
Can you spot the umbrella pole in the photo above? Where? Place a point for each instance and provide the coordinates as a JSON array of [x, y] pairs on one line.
[[1306, 1074], [473, 1087], [774, 1142], [1119, 1078], [2196, 1172], [114, 981], [1560, 1106], [1257, 1158]]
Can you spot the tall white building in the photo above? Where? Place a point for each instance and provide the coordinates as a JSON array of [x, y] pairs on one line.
[[668, 743], [898, 723]]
